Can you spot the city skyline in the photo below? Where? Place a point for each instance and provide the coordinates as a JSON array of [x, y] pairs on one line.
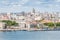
[[27, 5]]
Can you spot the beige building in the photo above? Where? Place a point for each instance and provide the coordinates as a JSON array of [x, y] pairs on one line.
[[2, 25]]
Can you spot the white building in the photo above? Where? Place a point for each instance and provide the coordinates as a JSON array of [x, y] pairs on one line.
[[38, 18]]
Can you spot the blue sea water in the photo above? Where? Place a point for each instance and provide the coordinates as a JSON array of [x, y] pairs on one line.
[[34, 35]]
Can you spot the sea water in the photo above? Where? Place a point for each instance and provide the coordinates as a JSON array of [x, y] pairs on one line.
[[30, 35]]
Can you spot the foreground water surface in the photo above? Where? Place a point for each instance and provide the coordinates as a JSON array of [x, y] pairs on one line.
[[34, 35]]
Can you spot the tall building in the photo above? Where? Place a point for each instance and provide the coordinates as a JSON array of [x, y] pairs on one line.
[[33, 10]]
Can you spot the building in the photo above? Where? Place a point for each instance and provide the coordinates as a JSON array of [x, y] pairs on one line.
[[2, 25]]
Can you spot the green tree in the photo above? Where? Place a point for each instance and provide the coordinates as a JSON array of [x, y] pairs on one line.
[[58, 24], [10, 23], [49, 24]]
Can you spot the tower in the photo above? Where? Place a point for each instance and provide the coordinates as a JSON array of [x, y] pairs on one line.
[[33, 10]]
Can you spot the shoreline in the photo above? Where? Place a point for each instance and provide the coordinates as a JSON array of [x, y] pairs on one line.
[[26, 30]]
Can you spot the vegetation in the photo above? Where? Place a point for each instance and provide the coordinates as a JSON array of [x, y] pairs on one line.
[[51, 24], [10, 23], [58, 24], [36, 27]]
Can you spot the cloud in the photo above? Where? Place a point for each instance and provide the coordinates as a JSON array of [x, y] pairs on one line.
[[57, 0], [12, 6], [8, 2], [38, 2], [20, 5]]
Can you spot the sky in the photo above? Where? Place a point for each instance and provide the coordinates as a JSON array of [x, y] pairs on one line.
[[28, 5]]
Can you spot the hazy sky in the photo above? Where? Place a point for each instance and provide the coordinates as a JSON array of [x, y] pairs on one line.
[[27, 5]]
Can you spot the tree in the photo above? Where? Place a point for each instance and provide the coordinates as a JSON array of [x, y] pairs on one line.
[[10, 23], [49, 24], [58, 24]]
